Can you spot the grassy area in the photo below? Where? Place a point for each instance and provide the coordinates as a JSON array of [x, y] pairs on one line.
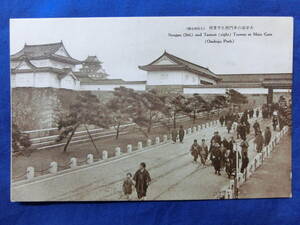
[[41, 159]]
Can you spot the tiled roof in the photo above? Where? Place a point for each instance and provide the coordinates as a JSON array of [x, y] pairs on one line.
[[91, 81], [43, 51], [240, 78], [92, 59], [182, 64]]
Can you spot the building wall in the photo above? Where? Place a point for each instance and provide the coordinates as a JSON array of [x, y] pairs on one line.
[[68, 82], [175, 78], [222, 91], [111, 87], [40, 79]]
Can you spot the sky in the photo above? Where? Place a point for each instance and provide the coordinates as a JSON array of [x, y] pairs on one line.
[[122, 44]]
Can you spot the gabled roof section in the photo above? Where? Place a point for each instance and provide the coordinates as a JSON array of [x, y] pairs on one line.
[[24, 64], [92, 59], [68, 72], [44, 51], [180, 64]]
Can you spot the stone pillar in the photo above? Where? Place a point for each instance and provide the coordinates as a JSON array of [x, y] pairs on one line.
[[228, 194], [140, 145], [194, 129], [117, 151], [53, 167], [157, 140], [189, 130], [129, 148], [149, 142], [89, 158], [165, 138], [199, 127], [30, 172], [73, 162], [104, 155]]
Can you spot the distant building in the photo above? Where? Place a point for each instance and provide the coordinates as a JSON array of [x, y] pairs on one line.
[[92, 67], [170, 70], [50, 65], [47, 65]]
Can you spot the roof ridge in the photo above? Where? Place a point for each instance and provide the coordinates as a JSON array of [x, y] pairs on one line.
[[176, 57], [54, 43]]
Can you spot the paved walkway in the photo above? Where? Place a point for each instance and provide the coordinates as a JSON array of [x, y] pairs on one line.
[[174, 176], [273, 178]]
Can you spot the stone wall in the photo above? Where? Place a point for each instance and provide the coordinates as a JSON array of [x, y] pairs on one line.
[[38, 108]]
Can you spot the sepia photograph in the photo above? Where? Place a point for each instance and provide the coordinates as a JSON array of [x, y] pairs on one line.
[[151, 108]]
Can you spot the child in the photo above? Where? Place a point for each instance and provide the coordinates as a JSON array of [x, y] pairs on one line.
[[127, 186]]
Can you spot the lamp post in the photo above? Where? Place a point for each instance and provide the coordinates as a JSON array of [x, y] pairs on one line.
[[236, 171]]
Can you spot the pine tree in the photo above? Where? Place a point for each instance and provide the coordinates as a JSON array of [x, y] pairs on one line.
[[86, 110], [195, 104]]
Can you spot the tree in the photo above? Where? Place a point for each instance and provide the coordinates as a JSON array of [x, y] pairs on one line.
[[86, 110], [119, 112], [195, 104], [175, 105], [143, 108], [235, 97], [219, 101], [20, 141]]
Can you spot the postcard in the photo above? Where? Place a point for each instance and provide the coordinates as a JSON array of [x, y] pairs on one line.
[[151, 108]]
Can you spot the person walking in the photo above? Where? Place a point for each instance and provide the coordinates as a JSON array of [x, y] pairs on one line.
[[245, 161], [215, 156], [243, 131], [268, 135], [174, 135], [127, 186], [181, 134], [195, 149], [244, 146], [259, 141], [256, 127], [257, 113], [275, 122], [229, 125], [203, 152], [222, 120], [142, 180]]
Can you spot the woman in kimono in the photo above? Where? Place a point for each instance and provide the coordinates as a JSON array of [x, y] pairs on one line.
[[142, 180]]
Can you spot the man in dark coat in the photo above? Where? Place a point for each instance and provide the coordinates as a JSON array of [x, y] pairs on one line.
[[275, 122], [259, 141], [142, 180], [257, 113], [181, 134], [222, 120], [229, 125], [216, 157], [268, 135], [216, 138], [245, 161], [225, 143], [243, 131], [174, 135], [256, 127]]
